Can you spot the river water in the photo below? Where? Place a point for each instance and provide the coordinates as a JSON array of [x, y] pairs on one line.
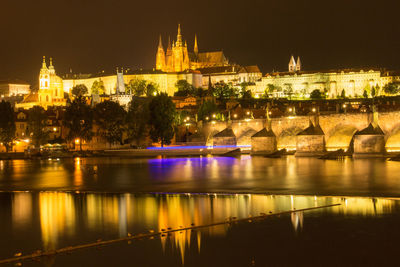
[[51, 204]]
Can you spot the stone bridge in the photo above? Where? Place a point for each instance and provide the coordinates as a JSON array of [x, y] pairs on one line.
[[338, 128]]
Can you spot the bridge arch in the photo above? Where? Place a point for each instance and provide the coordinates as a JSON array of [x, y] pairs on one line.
[[340, 137], [245, 136], [393, 139], [287, 139]]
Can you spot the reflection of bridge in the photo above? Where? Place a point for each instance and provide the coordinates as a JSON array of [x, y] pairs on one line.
[[338, 128]]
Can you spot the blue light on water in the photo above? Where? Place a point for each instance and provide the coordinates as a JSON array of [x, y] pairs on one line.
[[197, 147]]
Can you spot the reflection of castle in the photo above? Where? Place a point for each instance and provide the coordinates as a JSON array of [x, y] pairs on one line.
[[177, 58]]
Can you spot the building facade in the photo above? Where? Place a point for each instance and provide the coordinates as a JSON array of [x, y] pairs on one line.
[[14, 88], [332, 82]]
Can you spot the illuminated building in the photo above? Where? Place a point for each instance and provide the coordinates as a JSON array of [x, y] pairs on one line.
[[13, 88], [50, 92], [331, 82], [178, 59]]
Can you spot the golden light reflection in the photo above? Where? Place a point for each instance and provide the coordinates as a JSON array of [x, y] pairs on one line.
[[78, 174], [21, 209], [139, 213], [57, 217]]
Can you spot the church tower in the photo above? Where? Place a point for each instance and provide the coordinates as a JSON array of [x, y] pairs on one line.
[[298, 64], [160, 57], [44, 76], [292, 65]]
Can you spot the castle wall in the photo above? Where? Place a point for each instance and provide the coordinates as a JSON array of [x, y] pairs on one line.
[[165, 81], [353, 83]]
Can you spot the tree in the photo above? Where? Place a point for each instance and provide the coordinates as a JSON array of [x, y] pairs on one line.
[[373, 91], [7, 125], [162, 115], [136, 87], [343, 94], [244, 93], [269, 90], [316, 94], [377, 90], [137, 118], [79, 90], [224, 91], [365, 94], [110, 118], [200, 92], [78, 119], [151, 89], [184, 88], [36, 126], [98, 88], [207, 109], [391, 88], [289, 91]]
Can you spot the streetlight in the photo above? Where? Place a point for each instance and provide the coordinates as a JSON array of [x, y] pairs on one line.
[[313, 110]]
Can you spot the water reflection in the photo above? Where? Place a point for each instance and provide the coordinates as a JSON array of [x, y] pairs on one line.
[[81, 217], [288, 175]]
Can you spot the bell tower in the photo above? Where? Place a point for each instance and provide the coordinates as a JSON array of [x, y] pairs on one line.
[[44, 76], [292, 64]]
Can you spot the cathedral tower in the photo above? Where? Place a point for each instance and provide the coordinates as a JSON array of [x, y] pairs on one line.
[[160, 57], [169, 64]]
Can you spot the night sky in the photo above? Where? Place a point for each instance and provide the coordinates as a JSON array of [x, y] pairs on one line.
[[89, 36]]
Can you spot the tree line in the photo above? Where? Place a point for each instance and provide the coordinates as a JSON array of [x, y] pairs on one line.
[[153, 116]]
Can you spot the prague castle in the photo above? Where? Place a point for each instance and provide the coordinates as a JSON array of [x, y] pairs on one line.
[[177, 58], [331, 82]]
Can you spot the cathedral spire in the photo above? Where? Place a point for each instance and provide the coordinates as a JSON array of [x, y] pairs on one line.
[[298, 64], [196, 48], [179, 37], [160, 43]]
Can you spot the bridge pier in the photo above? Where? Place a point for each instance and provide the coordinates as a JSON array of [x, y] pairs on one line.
[[225, 138], [263, 142], [369, 142], [310, 142]]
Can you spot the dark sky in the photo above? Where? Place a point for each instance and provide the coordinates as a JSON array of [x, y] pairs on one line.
[[89, 36]]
